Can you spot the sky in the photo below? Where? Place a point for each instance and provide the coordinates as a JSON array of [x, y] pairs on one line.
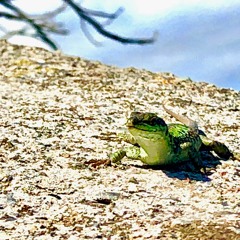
[[199, 39]]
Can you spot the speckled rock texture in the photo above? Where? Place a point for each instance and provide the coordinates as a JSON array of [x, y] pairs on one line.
[[58, 120]]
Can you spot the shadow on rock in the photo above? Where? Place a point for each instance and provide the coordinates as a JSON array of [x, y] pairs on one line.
[[187, 170]]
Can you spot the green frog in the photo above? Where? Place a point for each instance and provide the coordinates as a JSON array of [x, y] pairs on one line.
[[156, 143]]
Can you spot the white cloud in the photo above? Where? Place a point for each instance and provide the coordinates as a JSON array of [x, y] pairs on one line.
[[198, 38], [34, 7], [28, 41], [149, 8]]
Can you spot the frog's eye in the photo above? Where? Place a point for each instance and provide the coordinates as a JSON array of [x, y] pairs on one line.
[[136, 120], [158, 121]]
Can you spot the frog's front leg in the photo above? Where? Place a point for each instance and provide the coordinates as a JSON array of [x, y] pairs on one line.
[[127, 137], [133, 152]]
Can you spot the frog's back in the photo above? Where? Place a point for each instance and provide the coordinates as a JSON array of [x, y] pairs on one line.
[[181, 136]]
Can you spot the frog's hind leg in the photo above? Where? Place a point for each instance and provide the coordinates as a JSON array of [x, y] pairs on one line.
[[193, 154], [196, 159], [219, 148]]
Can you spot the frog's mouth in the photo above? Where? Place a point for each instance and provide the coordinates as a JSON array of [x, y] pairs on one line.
[[129, 123]]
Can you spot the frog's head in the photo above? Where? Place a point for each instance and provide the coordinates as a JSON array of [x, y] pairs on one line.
[[150, 132], [149, 122]]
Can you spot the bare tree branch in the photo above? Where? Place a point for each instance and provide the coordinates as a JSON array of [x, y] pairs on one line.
[[9, 16], [87, 34], [46, 21], [50, 15], [84, 14], [103, 14], [21, 16], [109, 16], [44, 24]]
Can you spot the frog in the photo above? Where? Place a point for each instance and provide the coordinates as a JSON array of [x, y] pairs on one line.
[[156, 143]]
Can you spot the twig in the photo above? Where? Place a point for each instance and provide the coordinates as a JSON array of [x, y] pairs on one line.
[[84, 14]]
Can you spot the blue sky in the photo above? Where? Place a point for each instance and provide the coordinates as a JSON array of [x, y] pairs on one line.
[[197, 39]]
